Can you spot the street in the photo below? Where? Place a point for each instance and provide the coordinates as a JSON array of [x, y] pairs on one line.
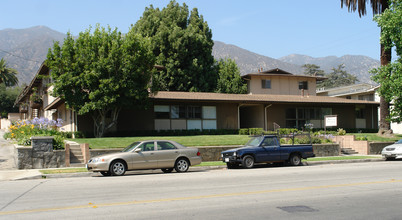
[[371, 190]]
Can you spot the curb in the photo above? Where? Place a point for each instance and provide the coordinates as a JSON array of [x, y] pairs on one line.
[[204, 168]]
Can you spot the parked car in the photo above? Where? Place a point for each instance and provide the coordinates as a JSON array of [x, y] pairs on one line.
[[152, 154], [393, 151], [266, 149]]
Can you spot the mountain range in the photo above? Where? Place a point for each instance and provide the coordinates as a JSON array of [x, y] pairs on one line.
[[26, 49]]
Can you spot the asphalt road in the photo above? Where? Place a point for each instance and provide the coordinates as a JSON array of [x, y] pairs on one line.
[[371, 190]]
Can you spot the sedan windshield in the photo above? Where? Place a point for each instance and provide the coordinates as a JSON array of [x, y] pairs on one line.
[[399, 142], [255, 141], [130, 147]]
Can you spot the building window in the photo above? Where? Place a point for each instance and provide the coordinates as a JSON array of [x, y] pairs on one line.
[[193, 112], [303, 85], [266, 84], [161, 111], [178, 111], [208, 112]]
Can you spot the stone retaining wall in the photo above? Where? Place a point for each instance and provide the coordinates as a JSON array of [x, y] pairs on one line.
[[376, 147], [39, 155], [326, 150]]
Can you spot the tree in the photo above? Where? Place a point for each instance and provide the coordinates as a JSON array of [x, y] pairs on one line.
[[8, 76], [182, 43], [230, 80], [99, 73], [390, 76], [313, 70], [339, 77], [8, 95], [378, 6]]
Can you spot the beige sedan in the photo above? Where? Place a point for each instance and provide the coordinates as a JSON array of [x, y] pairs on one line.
[[151, 154]]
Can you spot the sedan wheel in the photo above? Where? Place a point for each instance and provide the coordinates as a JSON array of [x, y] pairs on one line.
[[181, 165], [118, 168], [167, 170]]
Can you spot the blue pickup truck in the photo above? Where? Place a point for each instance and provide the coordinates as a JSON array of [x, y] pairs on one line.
[[266, 149]]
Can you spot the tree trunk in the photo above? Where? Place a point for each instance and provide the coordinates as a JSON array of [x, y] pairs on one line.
[[100, 124], [385, 125]]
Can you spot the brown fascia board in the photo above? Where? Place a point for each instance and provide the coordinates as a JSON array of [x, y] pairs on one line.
[[254, 98], [56, 103], [35, 81]]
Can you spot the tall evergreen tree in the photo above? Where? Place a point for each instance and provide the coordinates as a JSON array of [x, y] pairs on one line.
[[182, 43], [339, 77]]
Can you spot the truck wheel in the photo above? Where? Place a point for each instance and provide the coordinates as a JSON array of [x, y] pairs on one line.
[[248, 162], [295, 160]]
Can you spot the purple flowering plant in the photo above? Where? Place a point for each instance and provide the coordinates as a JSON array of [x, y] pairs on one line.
[[23, 130]]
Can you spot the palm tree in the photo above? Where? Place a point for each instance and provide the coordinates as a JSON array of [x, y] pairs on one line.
[[378, 6], [8, 76]]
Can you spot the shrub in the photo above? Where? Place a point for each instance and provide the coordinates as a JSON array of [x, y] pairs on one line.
[[23, 130], [243, 131], [256, 131], [341, 131]]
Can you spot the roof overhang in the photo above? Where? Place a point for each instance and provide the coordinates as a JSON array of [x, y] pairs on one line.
[[254, 98], [55, 104]]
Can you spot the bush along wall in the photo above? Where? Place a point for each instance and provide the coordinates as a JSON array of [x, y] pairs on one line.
[[23, 130]]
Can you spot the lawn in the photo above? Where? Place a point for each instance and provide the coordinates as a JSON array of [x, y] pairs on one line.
[[375, 137], [190, 141], [198, 140]]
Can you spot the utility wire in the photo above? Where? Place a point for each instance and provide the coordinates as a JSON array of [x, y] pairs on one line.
[[20, 56]]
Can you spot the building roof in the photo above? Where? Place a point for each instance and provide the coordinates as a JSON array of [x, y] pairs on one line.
[[362, 88], [254, 98], [36, 81], [279, 72]]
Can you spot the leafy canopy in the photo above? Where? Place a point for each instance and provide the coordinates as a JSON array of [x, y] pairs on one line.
[[229, 80], [182, 43], [101, 72], [390, 76]]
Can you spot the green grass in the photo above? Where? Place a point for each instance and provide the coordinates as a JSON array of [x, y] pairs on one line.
[[339, 158], [66, 170], [211, 163], [375, 137], [190, 141]]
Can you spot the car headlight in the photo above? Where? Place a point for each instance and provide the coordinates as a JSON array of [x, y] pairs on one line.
[[97, 160]]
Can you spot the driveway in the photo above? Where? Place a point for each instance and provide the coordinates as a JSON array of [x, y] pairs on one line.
[[6, 153]]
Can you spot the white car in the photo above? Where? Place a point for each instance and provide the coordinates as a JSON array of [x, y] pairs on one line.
[[393, 151]]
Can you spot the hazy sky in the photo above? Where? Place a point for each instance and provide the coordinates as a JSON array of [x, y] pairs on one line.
[[272, 28]]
